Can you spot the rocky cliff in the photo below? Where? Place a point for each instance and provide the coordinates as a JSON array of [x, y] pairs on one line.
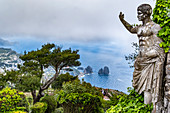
[[9, 58]]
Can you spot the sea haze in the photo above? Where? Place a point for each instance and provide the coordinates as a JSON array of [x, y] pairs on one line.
[[97, 55]]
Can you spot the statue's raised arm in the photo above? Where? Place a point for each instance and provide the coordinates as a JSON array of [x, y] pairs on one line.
[[129, 27]]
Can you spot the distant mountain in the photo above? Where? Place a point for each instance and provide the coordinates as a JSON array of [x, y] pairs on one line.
[[9, 58]]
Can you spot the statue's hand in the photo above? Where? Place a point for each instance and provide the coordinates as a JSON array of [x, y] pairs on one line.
[[121, 16]]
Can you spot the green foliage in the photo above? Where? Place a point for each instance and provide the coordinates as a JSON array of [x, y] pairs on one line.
[[31, 72], [61, 58], [7, 76], [114, 96], [11, 100], [28, 83], [57, 84], [161, 16], [77, 87], [51, 103], [107, 104], [59, 110], [132, 103], [79, 98], [30, 100], [18, 111], [39, 107]]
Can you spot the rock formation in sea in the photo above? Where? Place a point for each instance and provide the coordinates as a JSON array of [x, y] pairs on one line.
[[88, 70], [80, 68], [104, 71], [101, 71]]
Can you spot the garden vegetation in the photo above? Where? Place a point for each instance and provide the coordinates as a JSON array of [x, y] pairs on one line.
[[70, 95]]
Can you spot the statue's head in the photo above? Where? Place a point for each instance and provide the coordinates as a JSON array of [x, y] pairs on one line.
[[144, 11]]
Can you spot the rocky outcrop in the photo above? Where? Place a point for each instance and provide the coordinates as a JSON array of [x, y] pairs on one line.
[[167, 86], [101, 71], [104, 71], [80, 68], [88, 70]]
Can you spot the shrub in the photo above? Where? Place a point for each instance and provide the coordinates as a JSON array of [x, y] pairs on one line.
[[132, 103], [57, 84], [107, 104], [16, 112], [161, 16], [80, 98], [39, 107], [80, 103], [59, 110], [114, 96], [11, 100], [30, 100], [51, 103]]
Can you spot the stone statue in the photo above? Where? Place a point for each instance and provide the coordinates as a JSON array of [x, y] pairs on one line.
[[148, 72]]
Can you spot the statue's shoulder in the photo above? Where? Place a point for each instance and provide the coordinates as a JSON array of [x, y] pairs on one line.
[[155, 27]]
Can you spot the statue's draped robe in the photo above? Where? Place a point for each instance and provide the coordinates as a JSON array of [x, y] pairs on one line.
[[148, 72]]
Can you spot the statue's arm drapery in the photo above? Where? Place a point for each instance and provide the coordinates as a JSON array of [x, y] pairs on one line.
[[152, 53]]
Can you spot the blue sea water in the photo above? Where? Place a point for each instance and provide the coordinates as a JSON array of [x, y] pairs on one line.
[[96, 55], [111, 81]]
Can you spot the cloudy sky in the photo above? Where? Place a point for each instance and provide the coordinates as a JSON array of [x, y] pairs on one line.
[[74, 20], [92, 26]]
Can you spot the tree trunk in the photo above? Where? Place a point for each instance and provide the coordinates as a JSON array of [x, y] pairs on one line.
[[34, 96], [37, 98]]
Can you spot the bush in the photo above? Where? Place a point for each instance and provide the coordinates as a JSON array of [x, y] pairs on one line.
[[39, 107], [11, 100], [30, 100], [51, 103], [132, 103], [161, 17], [59, 110], [80, 98], [16, 112], [107, 104], [57, 84]]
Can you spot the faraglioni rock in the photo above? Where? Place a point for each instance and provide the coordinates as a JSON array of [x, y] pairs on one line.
[[80, 68], [104, 71], [88, 70], [101, 71]]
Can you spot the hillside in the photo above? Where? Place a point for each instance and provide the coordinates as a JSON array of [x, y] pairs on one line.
[[9, 58]]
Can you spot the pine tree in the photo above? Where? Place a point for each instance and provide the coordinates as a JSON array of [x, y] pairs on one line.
[[31, 72]]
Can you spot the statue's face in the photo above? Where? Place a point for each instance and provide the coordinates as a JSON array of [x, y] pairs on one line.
[[140, 16]]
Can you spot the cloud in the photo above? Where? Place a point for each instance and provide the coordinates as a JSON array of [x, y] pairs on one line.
[[6, 42], [74, 20]]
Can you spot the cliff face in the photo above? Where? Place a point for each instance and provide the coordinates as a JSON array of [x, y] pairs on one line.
[[9, 58]]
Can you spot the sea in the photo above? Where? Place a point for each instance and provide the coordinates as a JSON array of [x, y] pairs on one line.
[[117, 81], [95, 55]]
